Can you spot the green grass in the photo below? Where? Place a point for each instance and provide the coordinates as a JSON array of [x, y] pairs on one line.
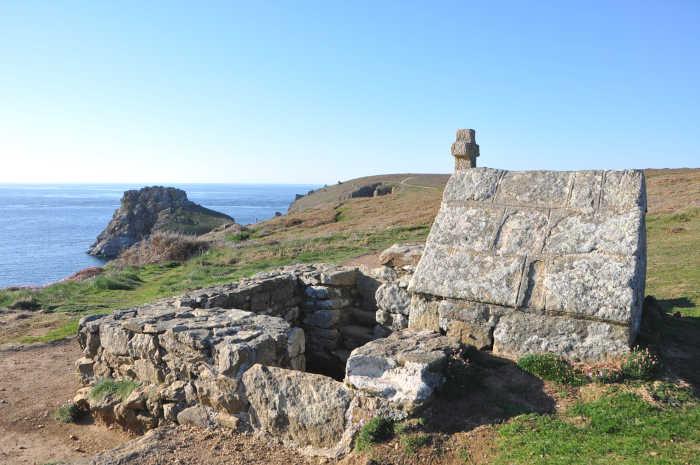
[[412, 442], [109, 387], [376, 430], [551, 368], [673, 273], [68, 329], [67, 413], [239, 237], [619, 428], [124, 288]]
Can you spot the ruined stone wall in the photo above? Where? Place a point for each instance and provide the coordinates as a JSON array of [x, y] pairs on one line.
[[197, 362], [536, 261]]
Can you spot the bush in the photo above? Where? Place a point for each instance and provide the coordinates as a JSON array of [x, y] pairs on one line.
[[411, 443], [109, 387], [239, 237], [376, 430], [671, 394], [67, 413], [640, 364], [607, 375], [551, 368], [25, 303], [163, 247]]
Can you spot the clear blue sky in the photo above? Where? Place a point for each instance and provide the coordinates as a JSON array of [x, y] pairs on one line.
[[314, 92]]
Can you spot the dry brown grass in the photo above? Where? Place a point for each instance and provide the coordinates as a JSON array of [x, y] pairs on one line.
[[162, 247]]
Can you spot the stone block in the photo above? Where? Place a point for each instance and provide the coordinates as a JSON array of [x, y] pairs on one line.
[[457, 272], [393, 299], [520, 333], [406, 368], [401, 254], [303, 410]]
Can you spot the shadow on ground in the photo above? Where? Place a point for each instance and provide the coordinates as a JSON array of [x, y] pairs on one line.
[[494, 391], [675, 337]]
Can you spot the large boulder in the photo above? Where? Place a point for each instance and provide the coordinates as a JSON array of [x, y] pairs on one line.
[[406, 368], [154, 209], [304, 410]]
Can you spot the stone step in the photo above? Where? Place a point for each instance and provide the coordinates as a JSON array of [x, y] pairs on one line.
[[364, 317]]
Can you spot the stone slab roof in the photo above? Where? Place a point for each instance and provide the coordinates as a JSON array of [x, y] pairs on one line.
[[547, 242]]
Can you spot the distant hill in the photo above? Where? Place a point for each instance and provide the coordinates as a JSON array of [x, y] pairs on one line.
[[368, 186]]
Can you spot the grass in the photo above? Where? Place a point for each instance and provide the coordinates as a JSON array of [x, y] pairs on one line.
[[618, 428], [412, 442], [551, 368], [123, 288], [673, 273], [239, 237], [376, 430], [67, 413], [120, 389]]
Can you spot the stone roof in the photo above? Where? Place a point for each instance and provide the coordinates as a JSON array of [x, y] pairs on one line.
[[566, 243]]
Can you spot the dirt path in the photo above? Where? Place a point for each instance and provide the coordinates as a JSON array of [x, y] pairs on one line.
[[34, 381], [406, 183]]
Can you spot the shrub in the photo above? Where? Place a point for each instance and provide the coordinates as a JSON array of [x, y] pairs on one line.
[[411, 443], [607, 375], [67, 413], [244, 235], [551, 368], [640, 364], [109, 387], [376, 430], [161, 247], [671, 394], [25, 303]]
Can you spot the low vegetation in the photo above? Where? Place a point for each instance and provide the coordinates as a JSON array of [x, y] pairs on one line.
[[552, 368], [375, 431], [163, 247], [620, 427], [67, 413], [120, 389], [412, 442]]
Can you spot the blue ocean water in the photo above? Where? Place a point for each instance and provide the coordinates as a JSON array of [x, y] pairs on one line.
[[45, 230]]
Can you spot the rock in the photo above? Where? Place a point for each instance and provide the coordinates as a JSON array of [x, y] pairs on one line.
[[303, 410], [195, 416], [570, 244], [145, 211], [519, 333], [85, 369], [393, 299], [405, 368], [401, 254]]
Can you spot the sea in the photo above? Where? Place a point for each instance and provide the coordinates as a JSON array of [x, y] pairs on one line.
[[45, 230]]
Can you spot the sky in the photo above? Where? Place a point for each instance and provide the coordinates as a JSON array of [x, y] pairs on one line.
[[316, 92]]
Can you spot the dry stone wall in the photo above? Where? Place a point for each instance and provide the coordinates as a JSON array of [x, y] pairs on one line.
[[536, 261], [190, 355]]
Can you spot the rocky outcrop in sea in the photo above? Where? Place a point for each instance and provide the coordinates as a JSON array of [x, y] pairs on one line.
[[154, 209]]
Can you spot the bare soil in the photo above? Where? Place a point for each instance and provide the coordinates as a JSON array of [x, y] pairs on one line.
[[34, 381]]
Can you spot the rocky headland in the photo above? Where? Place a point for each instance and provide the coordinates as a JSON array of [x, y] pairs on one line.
[[154, 209]]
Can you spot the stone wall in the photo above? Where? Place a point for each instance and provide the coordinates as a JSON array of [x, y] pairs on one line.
[[536, 261]]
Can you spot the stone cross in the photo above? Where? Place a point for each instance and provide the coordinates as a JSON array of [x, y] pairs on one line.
[[465, 149]]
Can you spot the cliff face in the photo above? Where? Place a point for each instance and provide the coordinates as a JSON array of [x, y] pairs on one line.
[[153, 209]]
